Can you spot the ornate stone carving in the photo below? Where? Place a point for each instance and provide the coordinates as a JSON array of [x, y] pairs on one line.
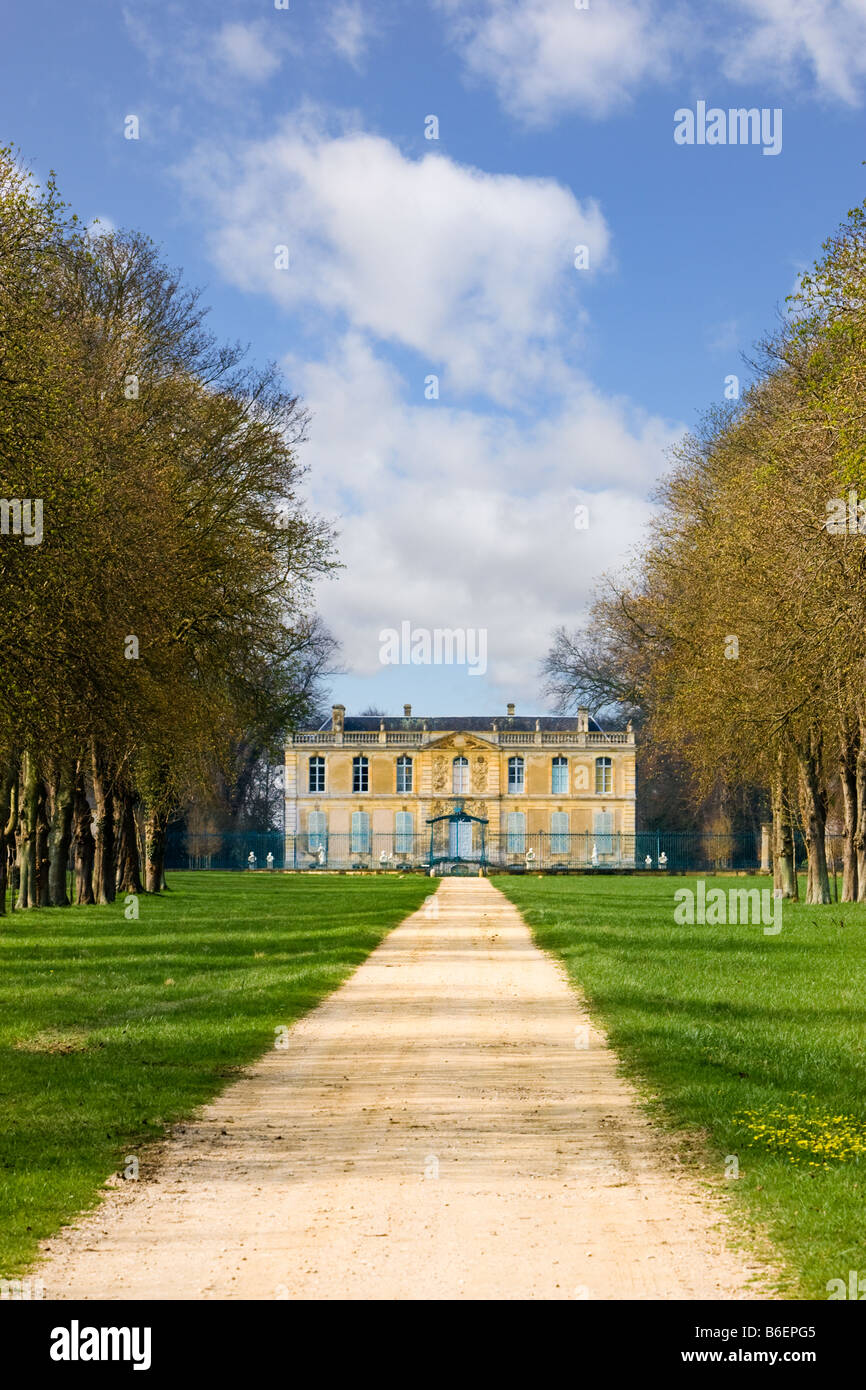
[[479, 773], [440, 775]]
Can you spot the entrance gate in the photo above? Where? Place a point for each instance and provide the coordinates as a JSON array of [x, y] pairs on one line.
[[458, 842]]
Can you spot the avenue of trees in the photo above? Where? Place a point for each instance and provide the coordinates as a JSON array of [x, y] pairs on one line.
[[156, 627], [738, 637]]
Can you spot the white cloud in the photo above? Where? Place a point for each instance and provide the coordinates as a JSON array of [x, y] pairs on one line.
[[458, 518], [452, 513], [819, 43], [349, 28], [473, 271], [545, 57], [221, 66], [247, 50]]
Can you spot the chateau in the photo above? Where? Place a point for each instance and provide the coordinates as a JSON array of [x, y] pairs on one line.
[[367, 790]]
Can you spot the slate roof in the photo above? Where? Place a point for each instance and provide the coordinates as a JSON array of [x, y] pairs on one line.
[[477, 723]]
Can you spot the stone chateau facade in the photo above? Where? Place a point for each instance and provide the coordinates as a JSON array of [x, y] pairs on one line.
[[368, 785]]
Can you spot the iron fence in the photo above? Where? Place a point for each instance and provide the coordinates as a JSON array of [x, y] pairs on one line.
[[685, 851]]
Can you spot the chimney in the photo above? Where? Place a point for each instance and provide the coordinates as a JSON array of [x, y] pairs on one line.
[[407, 711], [582, 720], [337, 715], [510, 709]]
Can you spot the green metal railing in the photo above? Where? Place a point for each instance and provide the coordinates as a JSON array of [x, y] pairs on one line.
[[674, 851]]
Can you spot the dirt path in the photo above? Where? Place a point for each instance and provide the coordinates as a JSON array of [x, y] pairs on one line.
[[431, 1131]]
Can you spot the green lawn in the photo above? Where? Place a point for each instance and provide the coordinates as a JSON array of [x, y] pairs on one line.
[[752, 1045], [111, 1029]]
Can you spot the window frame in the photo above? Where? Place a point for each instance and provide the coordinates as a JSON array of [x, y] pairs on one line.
[[360, 773], [603, 836], [316, 765], [603, 776], [515, 833], [560, 839], [362, 838], [317, 839], [559, 772], [404, 839], [515, 762], [404, 766], [463, 764]]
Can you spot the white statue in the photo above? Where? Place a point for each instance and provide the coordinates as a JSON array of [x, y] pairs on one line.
[[251, 860], [270, 860], [649, 861], [663, 860], [594, 856]]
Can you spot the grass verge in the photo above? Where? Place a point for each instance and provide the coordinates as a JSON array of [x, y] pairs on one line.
[[112, 1029], [755, 1044]]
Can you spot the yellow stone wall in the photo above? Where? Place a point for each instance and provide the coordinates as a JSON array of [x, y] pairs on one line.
[[432, 793]]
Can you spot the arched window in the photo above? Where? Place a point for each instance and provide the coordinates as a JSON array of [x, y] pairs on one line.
[[559, 776], [360, 832], [317, 774], [516, 832], [404, 831], [603, 776], [515, 775], [559, 837], [317, 831], [404, 774], [460, 775], [360, 774]]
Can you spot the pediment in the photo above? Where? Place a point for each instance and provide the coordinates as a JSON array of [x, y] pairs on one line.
[[461, 742]]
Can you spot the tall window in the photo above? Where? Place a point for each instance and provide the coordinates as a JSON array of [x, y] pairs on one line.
[[516, 832], [360, 832], [559, 776], [317, 774], [460, 775], [404, 774], [360, 774], [515, 775], [317, 831], [603, 776], [403, 832], [602, 830], [559, 839]]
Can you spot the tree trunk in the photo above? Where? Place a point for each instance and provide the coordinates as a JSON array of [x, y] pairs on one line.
[[813, 801], [784, 878], [8, 808], [860, 790], [60, 836], [848, 756], [103, 793], [154, 832], [26, 838], [82, 838], [43, 860], [128, 878]]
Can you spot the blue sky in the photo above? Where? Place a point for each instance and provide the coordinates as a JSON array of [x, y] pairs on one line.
[[305, 127]]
